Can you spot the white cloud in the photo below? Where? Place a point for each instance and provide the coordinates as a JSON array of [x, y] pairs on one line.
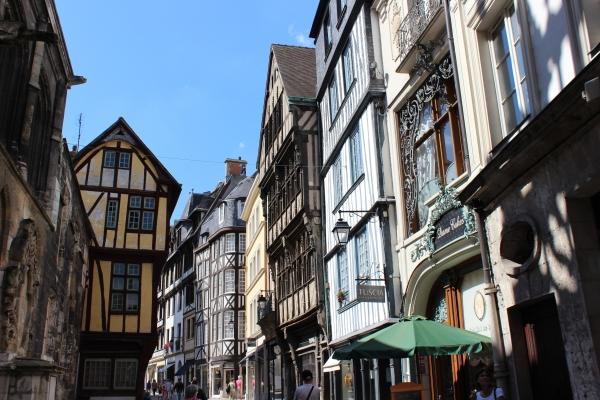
[[299, 37], [242, 145]]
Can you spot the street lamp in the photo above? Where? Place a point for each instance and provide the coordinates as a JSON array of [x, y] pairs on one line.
[[341, 229]]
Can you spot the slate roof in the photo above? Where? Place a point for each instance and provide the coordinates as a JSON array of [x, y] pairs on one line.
[[297, 66]]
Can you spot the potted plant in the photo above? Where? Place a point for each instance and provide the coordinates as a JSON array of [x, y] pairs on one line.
[[341, 296]]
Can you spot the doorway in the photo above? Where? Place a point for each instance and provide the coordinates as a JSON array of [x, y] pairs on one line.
[[540, 351]]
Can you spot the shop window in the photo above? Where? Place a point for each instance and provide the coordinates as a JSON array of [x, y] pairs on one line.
[[96, 374], [125, 288], [125, 373]]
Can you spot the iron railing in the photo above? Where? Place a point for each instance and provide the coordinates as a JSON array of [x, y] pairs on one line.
[[414, 24]]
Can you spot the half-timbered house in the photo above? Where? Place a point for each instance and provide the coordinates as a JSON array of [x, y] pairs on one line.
[[289, 156], [364, 293], [220, 283], [129, 197]]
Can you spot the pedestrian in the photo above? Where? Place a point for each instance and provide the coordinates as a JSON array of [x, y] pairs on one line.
[[147, 395], [154, 387], [200, 395], [178, 388], [190, 392], [164, 391], [485, 388], [239, 386], [169, 387], [230, 389], [148, 386], [307, 391]]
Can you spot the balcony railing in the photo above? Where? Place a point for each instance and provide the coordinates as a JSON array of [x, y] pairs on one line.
[[414, 24]]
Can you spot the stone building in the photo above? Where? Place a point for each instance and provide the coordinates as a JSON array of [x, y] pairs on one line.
[[495, 183], [129, 197], [44, 230], [288, 160]]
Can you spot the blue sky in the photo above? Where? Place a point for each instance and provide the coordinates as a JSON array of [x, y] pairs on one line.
[[187, 75]]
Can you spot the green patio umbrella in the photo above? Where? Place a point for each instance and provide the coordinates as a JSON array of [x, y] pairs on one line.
[[414, 334]]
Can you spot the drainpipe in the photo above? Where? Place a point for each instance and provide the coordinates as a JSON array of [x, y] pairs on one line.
[[450, 38], [491, 291]]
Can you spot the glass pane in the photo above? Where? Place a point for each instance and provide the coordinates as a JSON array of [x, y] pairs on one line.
[[149, 203], [450, 167], [525, 91], [109, 159], [132, 302], [500, 43], [426, 122], [426, 161], [442, 103], [118, 269], [133, 284], [118, 283], [133, 269], [135, 201], [520, 62], [117, 302], [511, 112], [506, 79], [134, 219], [124, 159], [147, 220], [514, 24]]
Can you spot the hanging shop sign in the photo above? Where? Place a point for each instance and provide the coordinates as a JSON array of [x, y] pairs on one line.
[[371, 293], [448, 221]]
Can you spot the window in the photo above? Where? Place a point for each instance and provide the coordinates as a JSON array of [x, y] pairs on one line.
[[112, 208], [342, 264], [337, 180], [135, 213], [509, 71], [125, 288], [242, 237], [362, 255], [96, 373], [356, 164], [333, 98], [431, 144], [124, 160], [242, 281], [221, 213], [327, 34], [241, 324], [341, 7], [110, 157], [229, 281], [125, 373], [229, 322], [348, 66], [230, 243]]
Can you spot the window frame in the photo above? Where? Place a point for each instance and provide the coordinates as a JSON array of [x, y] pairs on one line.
[[524, 103], [117, 373], [332, 87], [343, 255], [142, 210], [357, 167], [348, 80], [337, 180], [342, 6], [115, 216], [86, 371], [125, 291], [327, 34]]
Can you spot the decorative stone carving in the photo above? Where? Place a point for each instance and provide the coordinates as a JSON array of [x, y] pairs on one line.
[[20, 289]]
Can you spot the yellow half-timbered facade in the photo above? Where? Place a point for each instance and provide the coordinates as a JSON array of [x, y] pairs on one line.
[[129, 197]]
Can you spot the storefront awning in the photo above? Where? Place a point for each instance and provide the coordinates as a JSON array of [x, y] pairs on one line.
[[184, 367], [331, 365]]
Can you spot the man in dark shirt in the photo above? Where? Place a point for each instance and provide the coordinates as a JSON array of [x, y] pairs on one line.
[[178, 389]]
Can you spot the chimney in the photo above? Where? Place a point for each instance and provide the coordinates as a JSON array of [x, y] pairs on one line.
[[235, 167]]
